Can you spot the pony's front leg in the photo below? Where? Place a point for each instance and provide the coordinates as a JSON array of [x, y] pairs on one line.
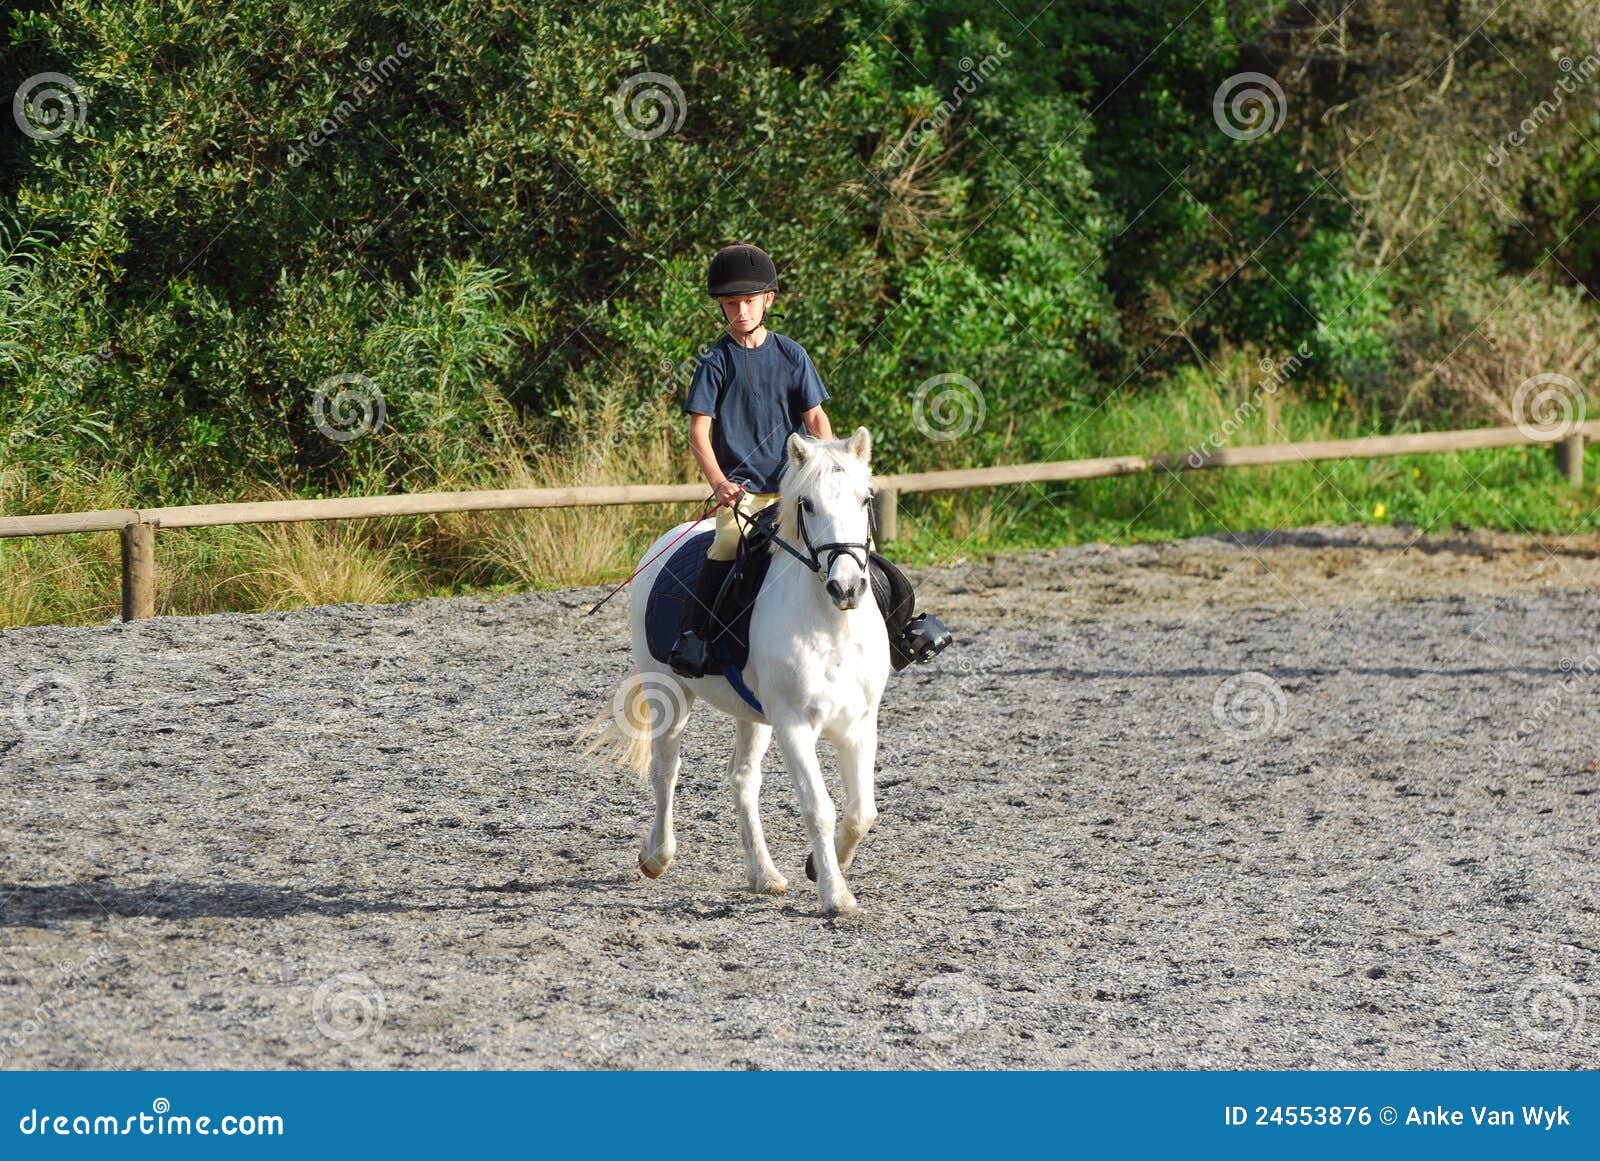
[[798, 742], [668, 717], [744, 771], [857, 754], [858, 751]]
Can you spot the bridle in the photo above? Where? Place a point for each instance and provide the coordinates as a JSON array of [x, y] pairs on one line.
[[838, 548], [812, 557]]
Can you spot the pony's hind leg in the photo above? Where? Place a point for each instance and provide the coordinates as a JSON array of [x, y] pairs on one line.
[[744, 771], [669, 703]]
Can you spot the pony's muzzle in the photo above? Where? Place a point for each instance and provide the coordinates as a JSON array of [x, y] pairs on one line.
[[844, 596]]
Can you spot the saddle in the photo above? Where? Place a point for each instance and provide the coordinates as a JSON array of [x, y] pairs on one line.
[[911, 638]]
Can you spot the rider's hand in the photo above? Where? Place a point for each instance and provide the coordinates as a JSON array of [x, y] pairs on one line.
[[727, 492]]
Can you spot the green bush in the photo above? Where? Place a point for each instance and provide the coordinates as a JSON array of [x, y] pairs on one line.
[[470, 208]]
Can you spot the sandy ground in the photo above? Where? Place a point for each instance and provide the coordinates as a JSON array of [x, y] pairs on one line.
[[1323, 798]]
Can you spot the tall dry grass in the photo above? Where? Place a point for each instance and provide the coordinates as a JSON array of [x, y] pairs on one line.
[[76, 579]]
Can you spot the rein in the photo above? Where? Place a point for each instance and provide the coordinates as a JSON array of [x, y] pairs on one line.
[[710, 506]]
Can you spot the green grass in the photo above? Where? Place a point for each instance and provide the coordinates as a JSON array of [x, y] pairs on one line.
[[1514, 489]]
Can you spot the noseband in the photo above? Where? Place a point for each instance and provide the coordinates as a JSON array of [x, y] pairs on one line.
[[834, 548]]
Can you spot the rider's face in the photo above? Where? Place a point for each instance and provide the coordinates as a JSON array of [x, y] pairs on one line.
[[745, 311]]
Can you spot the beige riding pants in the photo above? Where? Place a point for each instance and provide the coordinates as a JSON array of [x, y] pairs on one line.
[[726, 543]]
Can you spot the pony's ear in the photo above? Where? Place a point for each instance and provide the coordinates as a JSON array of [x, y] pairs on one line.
[[799, 449], [860, 445]]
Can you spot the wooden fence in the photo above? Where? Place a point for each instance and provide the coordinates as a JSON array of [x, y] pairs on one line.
[[138, 525]]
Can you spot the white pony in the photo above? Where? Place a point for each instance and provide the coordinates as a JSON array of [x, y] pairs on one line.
[[819, 658]]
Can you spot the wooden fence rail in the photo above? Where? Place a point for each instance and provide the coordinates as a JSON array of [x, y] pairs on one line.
[[138, 525]]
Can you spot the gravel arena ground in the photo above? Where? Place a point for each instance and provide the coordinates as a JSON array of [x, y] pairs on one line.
[[1323, 798]]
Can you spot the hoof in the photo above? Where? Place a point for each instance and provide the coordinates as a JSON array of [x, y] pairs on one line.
[[655, 858], [845, 906], [654, 868], [811, 868], [773, 885]]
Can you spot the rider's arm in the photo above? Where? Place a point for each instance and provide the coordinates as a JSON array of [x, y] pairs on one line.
[[816, 421], [700, 443]]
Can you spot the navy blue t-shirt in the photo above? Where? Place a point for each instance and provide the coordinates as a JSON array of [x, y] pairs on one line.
[[756, 398]]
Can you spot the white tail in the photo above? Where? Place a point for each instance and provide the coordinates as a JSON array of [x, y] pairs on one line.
[[621, 738]]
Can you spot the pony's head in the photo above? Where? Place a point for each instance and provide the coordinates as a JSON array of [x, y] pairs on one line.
[[824, 501]]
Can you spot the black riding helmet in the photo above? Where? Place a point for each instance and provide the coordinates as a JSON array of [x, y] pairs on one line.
[[741, 269]]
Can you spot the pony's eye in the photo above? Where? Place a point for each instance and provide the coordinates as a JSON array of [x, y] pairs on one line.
[[806, 504]]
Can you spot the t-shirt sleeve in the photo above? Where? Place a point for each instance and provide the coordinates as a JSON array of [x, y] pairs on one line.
[[705, 385], [812, 392]]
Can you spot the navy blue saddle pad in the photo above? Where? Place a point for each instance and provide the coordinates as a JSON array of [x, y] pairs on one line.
[[671, 604]]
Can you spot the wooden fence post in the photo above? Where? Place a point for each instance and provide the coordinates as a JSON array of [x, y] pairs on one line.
[[1569, 458], [888, 501], [138, 571]]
